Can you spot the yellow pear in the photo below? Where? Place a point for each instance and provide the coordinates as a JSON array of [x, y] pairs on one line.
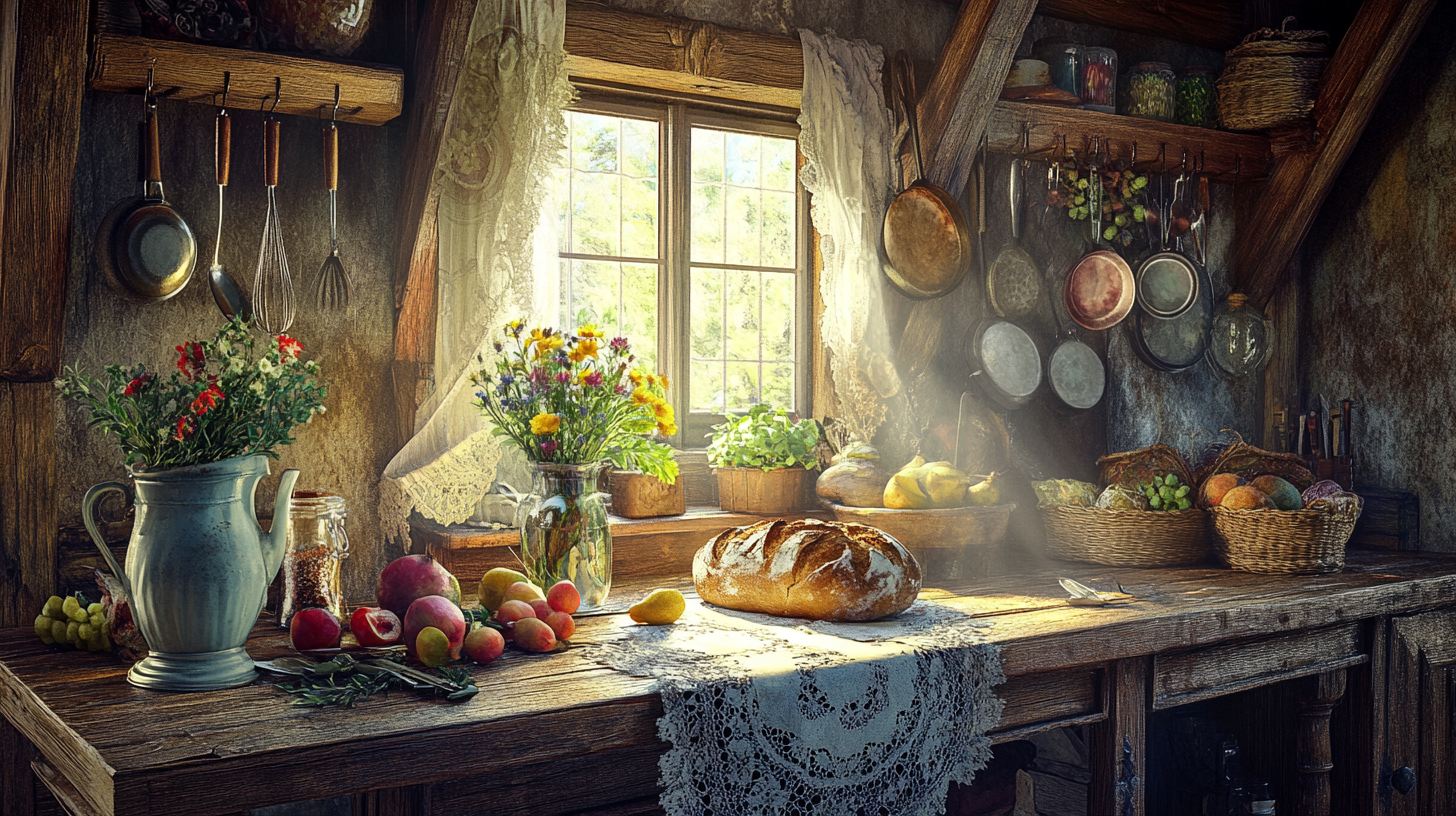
[[946, 485], [905, 492], [984, 493]]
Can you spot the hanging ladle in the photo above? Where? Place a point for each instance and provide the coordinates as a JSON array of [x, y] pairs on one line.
[[225, 293]]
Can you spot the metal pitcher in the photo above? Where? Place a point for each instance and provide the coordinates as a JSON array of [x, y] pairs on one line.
[[197, 569]]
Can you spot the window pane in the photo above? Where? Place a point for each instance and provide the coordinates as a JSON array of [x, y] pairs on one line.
[[740, 159], [707, 226], [779, 223], [707, 154], [742, 314], [608, 186], [595, 228], [742, 389], [743, 339], [778, 384], [706, 308], [639, 313], [742, 243], [778, 316], [595, 142], [620, 298], [779, 161], [707, 386], [639, 217], [639, 148]]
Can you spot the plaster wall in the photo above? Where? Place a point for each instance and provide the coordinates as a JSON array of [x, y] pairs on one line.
[[1381, 310]]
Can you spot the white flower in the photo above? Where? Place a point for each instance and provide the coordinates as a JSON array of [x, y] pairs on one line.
[[235, 365], [265, 366], [256, 386]]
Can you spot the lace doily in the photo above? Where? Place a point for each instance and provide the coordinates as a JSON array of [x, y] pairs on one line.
[[496, 262], [772, 716], [845, 136]]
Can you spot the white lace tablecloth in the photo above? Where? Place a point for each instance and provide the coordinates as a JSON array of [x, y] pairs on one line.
[[780, 716]]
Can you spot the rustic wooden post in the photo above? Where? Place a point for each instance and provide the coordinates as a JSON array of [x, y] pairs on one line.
[[1318, 697], [1118, 745]]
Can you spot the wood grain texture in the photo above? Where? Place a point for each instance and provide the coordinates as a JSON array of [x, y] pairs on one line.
[[1422, 693], [1319, 695], [368, 94], [65, 793], [968, 76], [17, 781], [1225, 155], [415, 800], [48, 69], [1353, 83], [1358, 727], [1282, 379], [1118, 745], [27, 500], [163, 750], [1218, 24], [9, 39], [1184, 678], [685, 56]]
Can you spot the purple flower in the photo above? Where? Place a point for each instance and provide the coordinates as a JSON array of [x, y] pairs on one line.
[[562, 376], [594, 379], [620, 389], [618, 344], [548, 448], [507, 379], [538, 376]]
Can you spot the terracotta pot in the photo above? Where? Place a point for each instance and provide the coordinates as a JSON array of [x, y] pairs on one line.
[[766, 492]]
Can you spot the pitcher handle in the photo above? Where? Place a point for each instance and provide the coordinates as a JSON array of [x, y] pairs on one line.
[[88, 514]]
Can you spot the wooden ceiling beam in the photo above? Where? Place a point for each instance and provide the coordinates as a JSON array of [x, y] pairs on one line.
[[1352, 85], [1217, 24], [685, 56], [968, 77]]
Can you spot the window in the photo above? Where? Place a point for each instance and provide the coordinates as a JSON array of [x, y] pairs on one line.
[[683, 229]]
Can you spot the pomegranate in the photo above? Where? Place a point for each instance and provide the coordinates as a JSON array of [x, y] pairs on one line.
[[373, 626], [412, 577], [314, 628]]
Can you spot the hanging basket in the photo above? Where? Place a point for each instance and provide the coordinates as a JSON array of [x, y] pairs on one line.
[[1271, 78]]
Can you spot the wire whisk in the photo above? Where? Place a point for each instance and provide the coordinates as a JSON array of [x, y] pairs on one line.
[[273, 306]]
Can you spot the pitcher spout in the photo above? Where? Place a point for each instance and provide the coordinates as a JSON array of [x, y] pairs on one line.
[[276, 543]]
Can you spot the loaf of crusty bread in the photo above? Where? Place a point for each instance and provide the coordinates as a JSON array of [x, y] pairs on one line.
[[807, 569]]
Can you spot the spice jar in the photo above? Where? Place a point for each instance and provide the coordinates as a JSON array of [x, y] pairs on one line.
[[1150, 91], [316, 544], [1062, 59], [1196, 103], [1098, 78], [1241, 340]]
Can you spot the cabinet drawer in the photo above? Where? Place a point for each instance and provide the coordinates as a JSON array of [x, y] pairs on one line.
[[1046, 700], [1188, 677]]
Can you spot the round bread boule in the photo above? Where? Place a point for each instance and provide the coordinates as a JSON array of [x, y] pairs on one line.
[[823, 570]]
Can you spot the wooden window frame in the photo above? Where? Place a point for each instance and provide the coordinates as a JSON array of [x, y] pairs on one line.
[[678, 114]]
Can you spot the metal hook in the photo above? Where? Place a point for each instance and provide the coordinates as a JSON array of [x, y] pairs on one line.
[[1238, 166], [334, 117], [277, 94], [1025, 140], [1133, 161], [227, 85], [148, 97]]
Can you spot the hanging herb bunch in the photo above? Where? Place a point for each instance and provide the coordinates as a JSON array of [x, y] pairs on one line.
[[1121, 198]]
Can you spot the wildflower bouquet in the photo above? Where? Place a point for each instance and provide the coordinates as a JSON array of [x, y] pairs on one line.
[[576, 399], [223, 400]]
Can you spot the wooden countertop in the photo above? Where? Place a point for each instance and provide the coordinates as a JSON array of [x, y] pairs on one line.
[[131, 751]]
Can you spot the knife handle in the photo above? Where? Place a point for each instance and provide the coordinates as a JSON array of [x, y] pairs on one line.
[[1311, 424]]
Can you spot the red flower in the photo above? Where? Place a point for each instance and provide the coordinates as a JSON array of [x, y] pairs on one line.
[[207, 399], [135, 386], [184, 428], [288, 348], [191, 362]]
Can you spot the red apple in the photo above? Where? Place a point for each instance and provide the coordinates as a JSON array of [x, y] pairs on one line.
[[412, 577], [562, 624], [534, 635], [439, 612], [314, 628], [373, 626], [563, 597]]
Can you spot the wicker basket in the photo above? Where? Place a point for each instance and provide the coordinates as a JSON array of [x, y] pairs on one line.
[[1299, 542], [1271, 79], [1126, 538]]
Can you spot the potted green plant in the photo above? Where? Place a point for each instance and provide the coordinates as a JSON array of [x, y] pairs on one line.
[[765, 461]]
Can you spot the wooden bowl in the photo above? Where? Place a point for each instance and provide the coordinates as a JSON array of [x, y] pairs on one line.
[[949, 528]]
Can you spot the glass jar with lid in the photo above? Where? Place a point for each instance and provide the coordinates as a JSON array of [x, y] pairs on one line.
[[1098, 79], [1150, 91], [317, 544], [1197, 101], [1241, 340], [1063, 60]]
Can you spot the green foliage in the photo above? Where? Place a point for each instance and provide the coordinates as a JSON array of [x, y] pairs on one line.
[[224, 399], [765, 438], [1166, 494]]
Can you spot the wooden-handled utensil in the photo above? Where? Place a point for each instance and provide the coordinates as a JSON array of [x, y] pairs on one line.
[[333, 287], [225, 293]]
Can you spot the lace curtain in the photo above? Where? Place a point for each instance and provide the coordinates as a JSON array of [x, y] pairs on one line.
[[497, 253], [846, 138]]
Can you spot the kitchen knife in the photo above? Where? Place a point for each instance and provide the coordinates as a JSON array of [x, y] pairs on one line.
[[1326, 451], [1311, 429]]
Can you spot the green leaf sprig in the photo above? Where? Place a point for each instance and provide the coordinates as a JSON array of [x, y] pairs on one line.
[[1166, 494], [765, 438]]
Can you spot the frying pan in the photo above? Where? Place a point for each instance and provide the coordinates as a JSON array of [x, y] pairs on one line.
[[1099, 291], [1007, 362], [927, 244], [1178, 343], [1074, 371], [1013, 284], [1167, 284], [143, 247]]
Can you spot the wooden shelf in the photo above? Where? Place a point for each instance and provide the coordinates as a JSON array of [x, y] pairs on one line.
[[369, 94], [1226, 156]]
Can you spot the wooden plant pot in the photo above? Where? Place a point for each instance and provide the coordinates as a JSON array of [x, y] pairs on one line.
[[766, 492], [637, 495]]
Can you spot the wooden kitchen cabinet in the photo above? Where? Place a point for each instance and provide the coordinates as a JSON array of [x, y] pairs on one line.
[[1418, 773]]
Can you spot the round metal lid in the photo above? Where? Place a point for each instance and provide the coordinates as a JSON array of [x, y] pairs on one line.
[[1010, 358], [1099, 291], [1167, 285], [1075, 373]]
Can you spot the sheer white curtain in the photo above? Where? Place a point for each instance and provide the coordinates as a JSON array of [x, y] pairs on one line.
[[846, 137], [497, 251]]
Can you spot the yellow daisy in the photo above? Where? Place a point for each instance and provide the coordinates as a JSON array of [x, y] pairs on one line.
[[589, 330], [543, 424], [584, 348]]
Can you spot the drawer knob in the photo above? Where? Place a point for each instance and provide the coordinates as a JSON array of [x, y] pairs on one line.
[[1404, 780]]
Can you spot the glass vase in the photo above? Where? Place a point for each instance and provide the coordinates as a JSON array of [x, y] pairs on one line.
[[564, 531], [1242, 339]]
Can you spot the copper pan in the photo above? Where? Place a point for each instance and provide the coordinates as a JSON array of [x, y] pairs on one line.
[[927, 243]]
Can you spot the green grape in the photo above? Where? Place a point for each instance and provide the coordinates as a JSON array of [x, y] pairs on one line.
[[58, 631], [1182, 491], [1172, 480], [43, 627], [1155, 502], [52, 607], [1120, 220], [94, 608], [85, 631], [97, 620], [72, 630], [73, 609]]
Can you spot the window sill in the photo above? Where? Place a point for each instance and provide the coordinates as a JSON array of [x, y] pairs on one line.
[[641, 548]]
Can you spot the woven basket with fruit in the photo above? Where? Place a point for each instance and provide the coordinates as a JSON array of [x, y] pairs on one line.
[[1143, 518]]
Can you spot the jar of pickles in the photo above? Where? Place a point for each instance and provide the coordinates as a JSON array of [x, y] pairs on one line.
[[1150, 91], [1197, 103], [1098, 79], [316, 544], [1062, 58]]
